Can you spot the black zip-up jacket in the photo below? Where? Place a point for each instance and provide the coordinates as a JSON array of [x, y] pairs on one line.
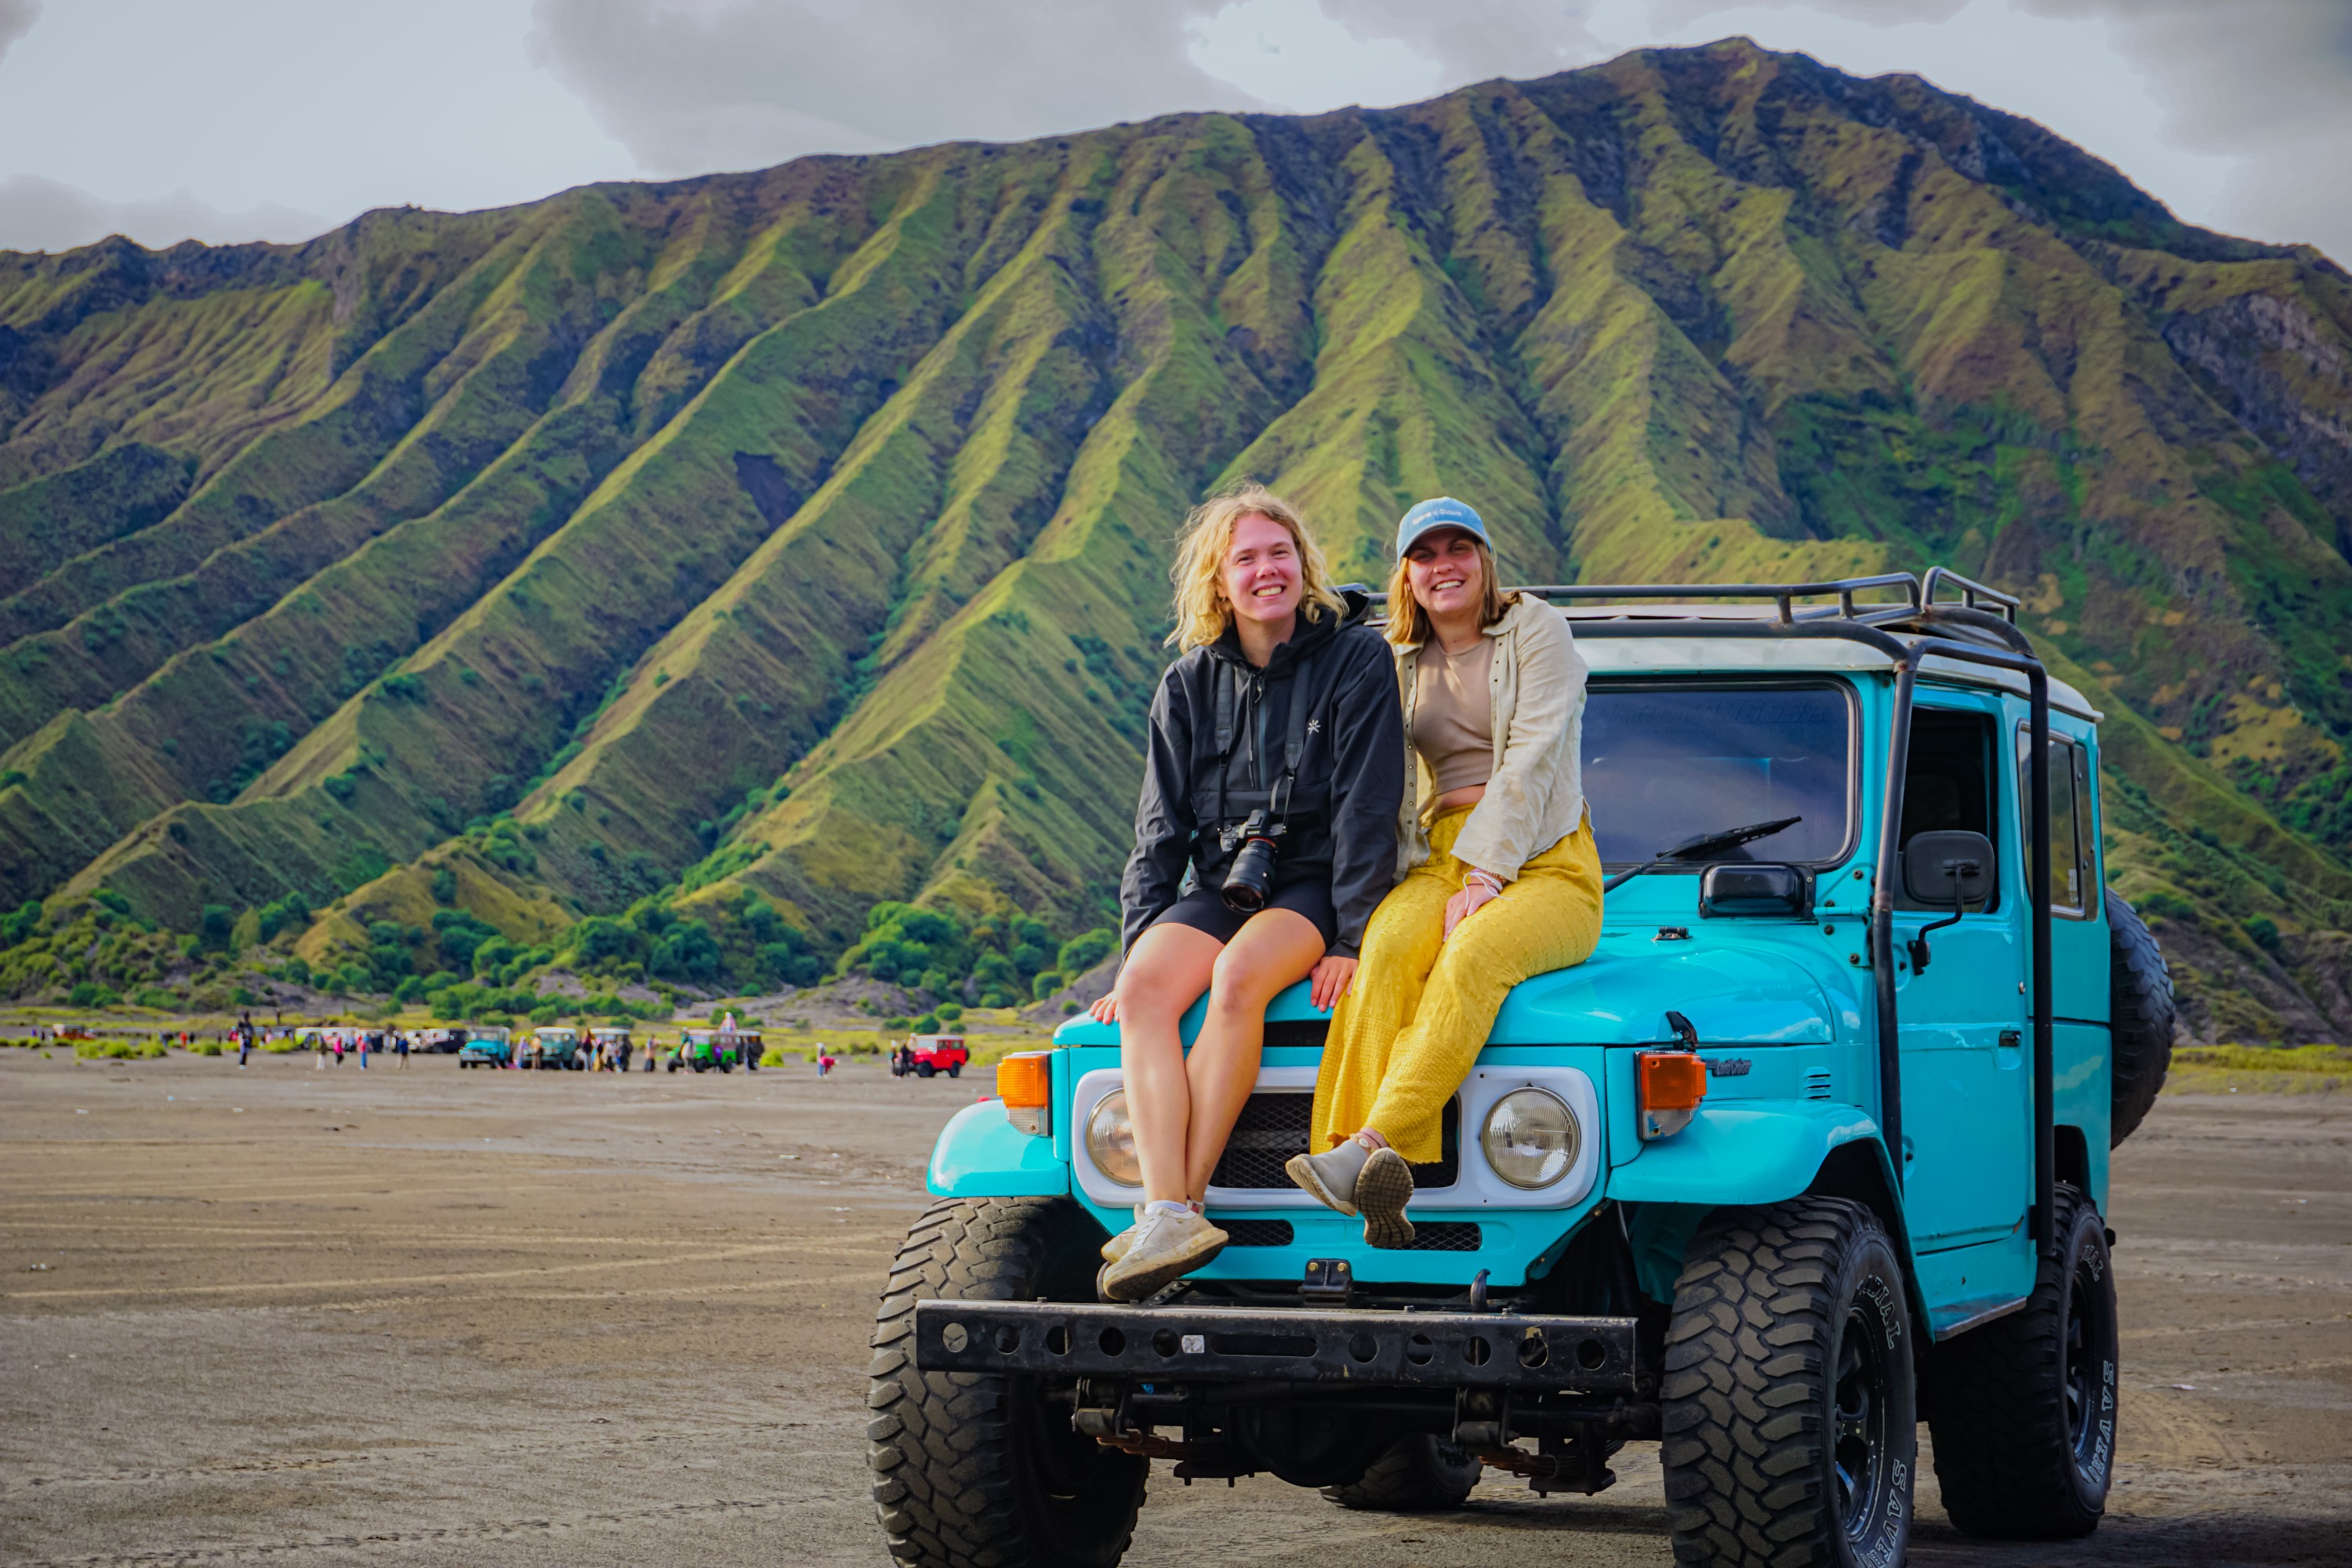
[[1343, 813]]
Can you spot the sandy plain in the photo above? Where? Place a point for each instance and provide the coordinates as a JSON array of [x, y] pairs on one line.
[[434, 1316]]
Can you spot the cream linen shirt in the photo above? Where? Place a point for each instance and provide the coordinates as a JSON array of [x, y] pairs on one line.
[[1535, 796]]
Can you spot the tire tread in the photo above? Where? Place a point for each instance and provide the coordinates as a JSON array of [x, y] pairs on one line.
[[945, 1482], [1999, 1418], [1741, 1433]]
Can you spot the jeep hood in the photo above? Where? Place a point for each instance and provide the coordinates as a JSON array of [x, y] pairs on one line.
[[1733, 995]]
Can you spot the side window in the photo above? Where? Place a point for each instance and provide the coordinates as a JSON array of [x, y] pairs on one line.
[[2074, 894], [1947, 783], [2086, 833]]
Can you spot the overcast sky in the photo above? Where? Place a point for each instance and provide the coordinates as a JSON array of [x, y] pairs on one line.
[[235, 119]]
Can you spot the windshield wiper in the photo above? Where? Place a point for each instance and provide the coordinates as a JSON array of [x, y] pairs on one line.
[[1704, 845]]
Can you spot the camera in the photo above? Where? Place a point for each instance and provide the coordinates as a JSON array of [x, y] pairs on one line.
[[1250, 881]]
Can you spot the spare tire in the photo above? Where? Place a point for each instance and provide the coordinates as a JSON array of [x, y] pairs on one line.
[[2139, 1004]]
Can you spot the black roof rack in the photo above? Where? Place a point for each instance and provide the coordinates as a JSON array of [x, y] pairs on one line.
[[1785, 594], [1919, 610]]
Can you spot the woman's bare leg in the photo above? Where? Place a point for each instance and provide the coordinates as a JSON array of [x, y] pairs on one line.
[[1276, 949], [1165, 972]]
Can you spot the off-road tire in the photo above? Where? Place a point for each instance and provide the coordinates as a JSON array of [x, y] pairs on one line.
[[971, 1470], [2141, 1017], [2023, 1407], [956, 1072], [1784, 1318], [1420, 1473]]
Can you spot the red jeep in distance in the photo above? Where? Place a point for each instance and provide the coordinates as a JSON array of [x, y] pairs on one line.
[[939, 1054]]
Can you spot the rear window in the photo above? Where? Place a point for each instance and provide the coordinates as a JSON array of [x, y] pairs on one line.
[[1666, 761]]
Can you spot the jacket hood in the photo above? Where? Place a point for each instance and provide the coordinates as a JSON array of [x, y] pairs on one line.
[[1311, 636]]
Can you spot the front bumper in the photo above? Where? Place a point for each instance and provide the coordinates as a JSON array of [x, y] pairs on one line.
[[1593, 1356]]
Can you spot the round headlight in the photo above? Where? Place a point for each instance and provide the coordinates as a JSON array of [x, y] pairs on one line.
[[1110, 1140], [1531, 1139]]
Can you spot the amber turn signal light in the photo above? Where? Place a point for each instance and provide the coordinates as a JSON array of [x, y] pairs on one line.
[[1025, 1081], [1668, 1087]]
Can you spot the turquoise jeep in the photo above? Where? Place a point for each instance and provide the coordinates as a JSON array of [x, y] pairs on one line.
[[1812, 1149], [485, 1045]]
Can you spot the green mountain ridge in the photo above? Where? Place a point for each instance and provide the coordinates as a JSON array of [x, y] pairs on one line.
[[759, 550]]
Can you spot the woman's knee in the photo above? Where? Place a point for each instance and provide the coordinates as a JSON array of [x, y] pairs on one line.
[[1150, 997], [1245, 979]]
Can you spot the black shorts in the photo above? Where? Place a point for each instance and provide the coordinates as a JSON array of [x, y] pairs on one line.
[[1204, 909]]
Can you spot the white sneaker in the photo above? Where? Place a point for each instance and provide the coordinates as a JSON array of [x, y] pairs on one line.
[[1168, 1245], [1116, 1247]]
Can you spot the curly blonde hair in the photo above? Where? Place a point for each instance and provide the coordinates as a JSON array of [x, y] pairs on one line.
[[1202, 613]]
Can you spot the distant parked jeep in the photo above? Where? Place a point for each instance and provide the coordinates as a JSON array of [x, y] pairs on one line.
[[933, 1054], [556, 1046], [1814, 1147], [702, 1049], [484, 1045]]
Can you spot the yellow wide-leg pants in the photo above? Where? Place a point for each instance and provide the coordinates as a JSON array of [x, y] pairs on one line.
[[1405, 1037]]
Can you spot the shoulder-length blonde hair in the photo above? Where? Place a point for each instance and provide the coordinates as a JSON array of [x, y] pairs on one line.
[[1202, 613], [1409, 623]]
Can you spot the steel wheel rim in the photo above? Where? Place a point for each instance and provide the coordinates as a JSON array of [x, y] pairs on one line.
[[2080, 1373], [1858, 1417]]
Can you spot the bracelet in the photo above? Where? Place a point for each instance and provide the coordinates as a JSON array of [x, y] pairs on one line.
[[1487, 880]]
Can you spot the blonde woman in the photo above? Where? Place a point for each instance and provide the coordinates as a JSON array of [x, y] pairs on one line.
[[1264, 838], [1503, 882]]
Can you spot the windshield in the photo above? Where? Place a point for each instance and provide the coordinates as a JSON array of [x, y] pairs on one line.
[[1663, 763]]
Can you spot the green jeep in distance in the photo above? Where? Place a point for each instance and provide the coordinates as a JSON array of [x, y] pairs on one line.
[[555, 1045], [1814, 1147]]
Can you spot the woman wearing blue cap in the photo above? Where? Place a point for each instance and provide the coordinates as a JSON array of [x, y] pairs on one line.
[[1502, 882]]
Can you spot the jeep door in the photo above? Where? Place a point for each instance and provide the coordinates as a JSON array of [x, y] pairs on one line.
[[1967, 1076]]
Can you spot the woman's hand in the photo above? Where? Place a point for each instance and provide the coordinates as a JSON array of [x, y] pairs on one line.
[[1476, 894], [1105, 1007], [1331, 976]]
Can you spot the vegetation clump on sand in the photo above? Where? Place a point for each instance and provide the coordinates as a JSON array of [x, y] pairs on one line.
[[2259, 1070]]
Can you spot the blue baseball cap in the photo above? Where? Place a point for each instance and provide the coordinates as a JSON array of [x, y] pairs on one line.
[[1444, 511]]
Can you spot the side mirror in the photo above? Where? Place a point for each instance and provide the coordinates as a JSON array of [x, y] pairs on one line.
[[1755, 890], [1949, 870]]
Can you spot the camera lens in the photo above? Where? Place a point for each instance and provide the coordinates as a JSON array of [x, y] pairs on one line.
[[1250, 880]]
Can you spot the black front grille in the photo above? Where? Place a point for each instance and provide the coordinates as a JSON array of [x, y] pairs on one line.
[[1443, 1236], [1257, 1232], [1274, 1126]]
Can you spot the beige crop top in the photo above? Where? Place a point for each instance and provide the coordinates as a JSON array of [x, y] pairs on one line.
[[1454, 713]]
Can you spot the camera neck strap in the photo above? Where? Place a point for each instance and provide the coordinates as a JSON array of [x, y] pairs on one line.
[[1294, 740]]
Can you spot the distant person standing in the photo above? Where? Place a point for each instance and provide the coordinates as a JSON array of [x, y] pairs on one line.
[[400, 1047], [367, 1041], [339, 1050], [244, 1039]]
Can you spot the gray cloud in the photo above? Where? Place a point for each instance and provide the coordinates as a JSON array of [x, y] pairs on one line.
[[17, 19], [1667, 14], [2267, 83], [690, 85], [1473, 40], [2241, 75], [42, 214]]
